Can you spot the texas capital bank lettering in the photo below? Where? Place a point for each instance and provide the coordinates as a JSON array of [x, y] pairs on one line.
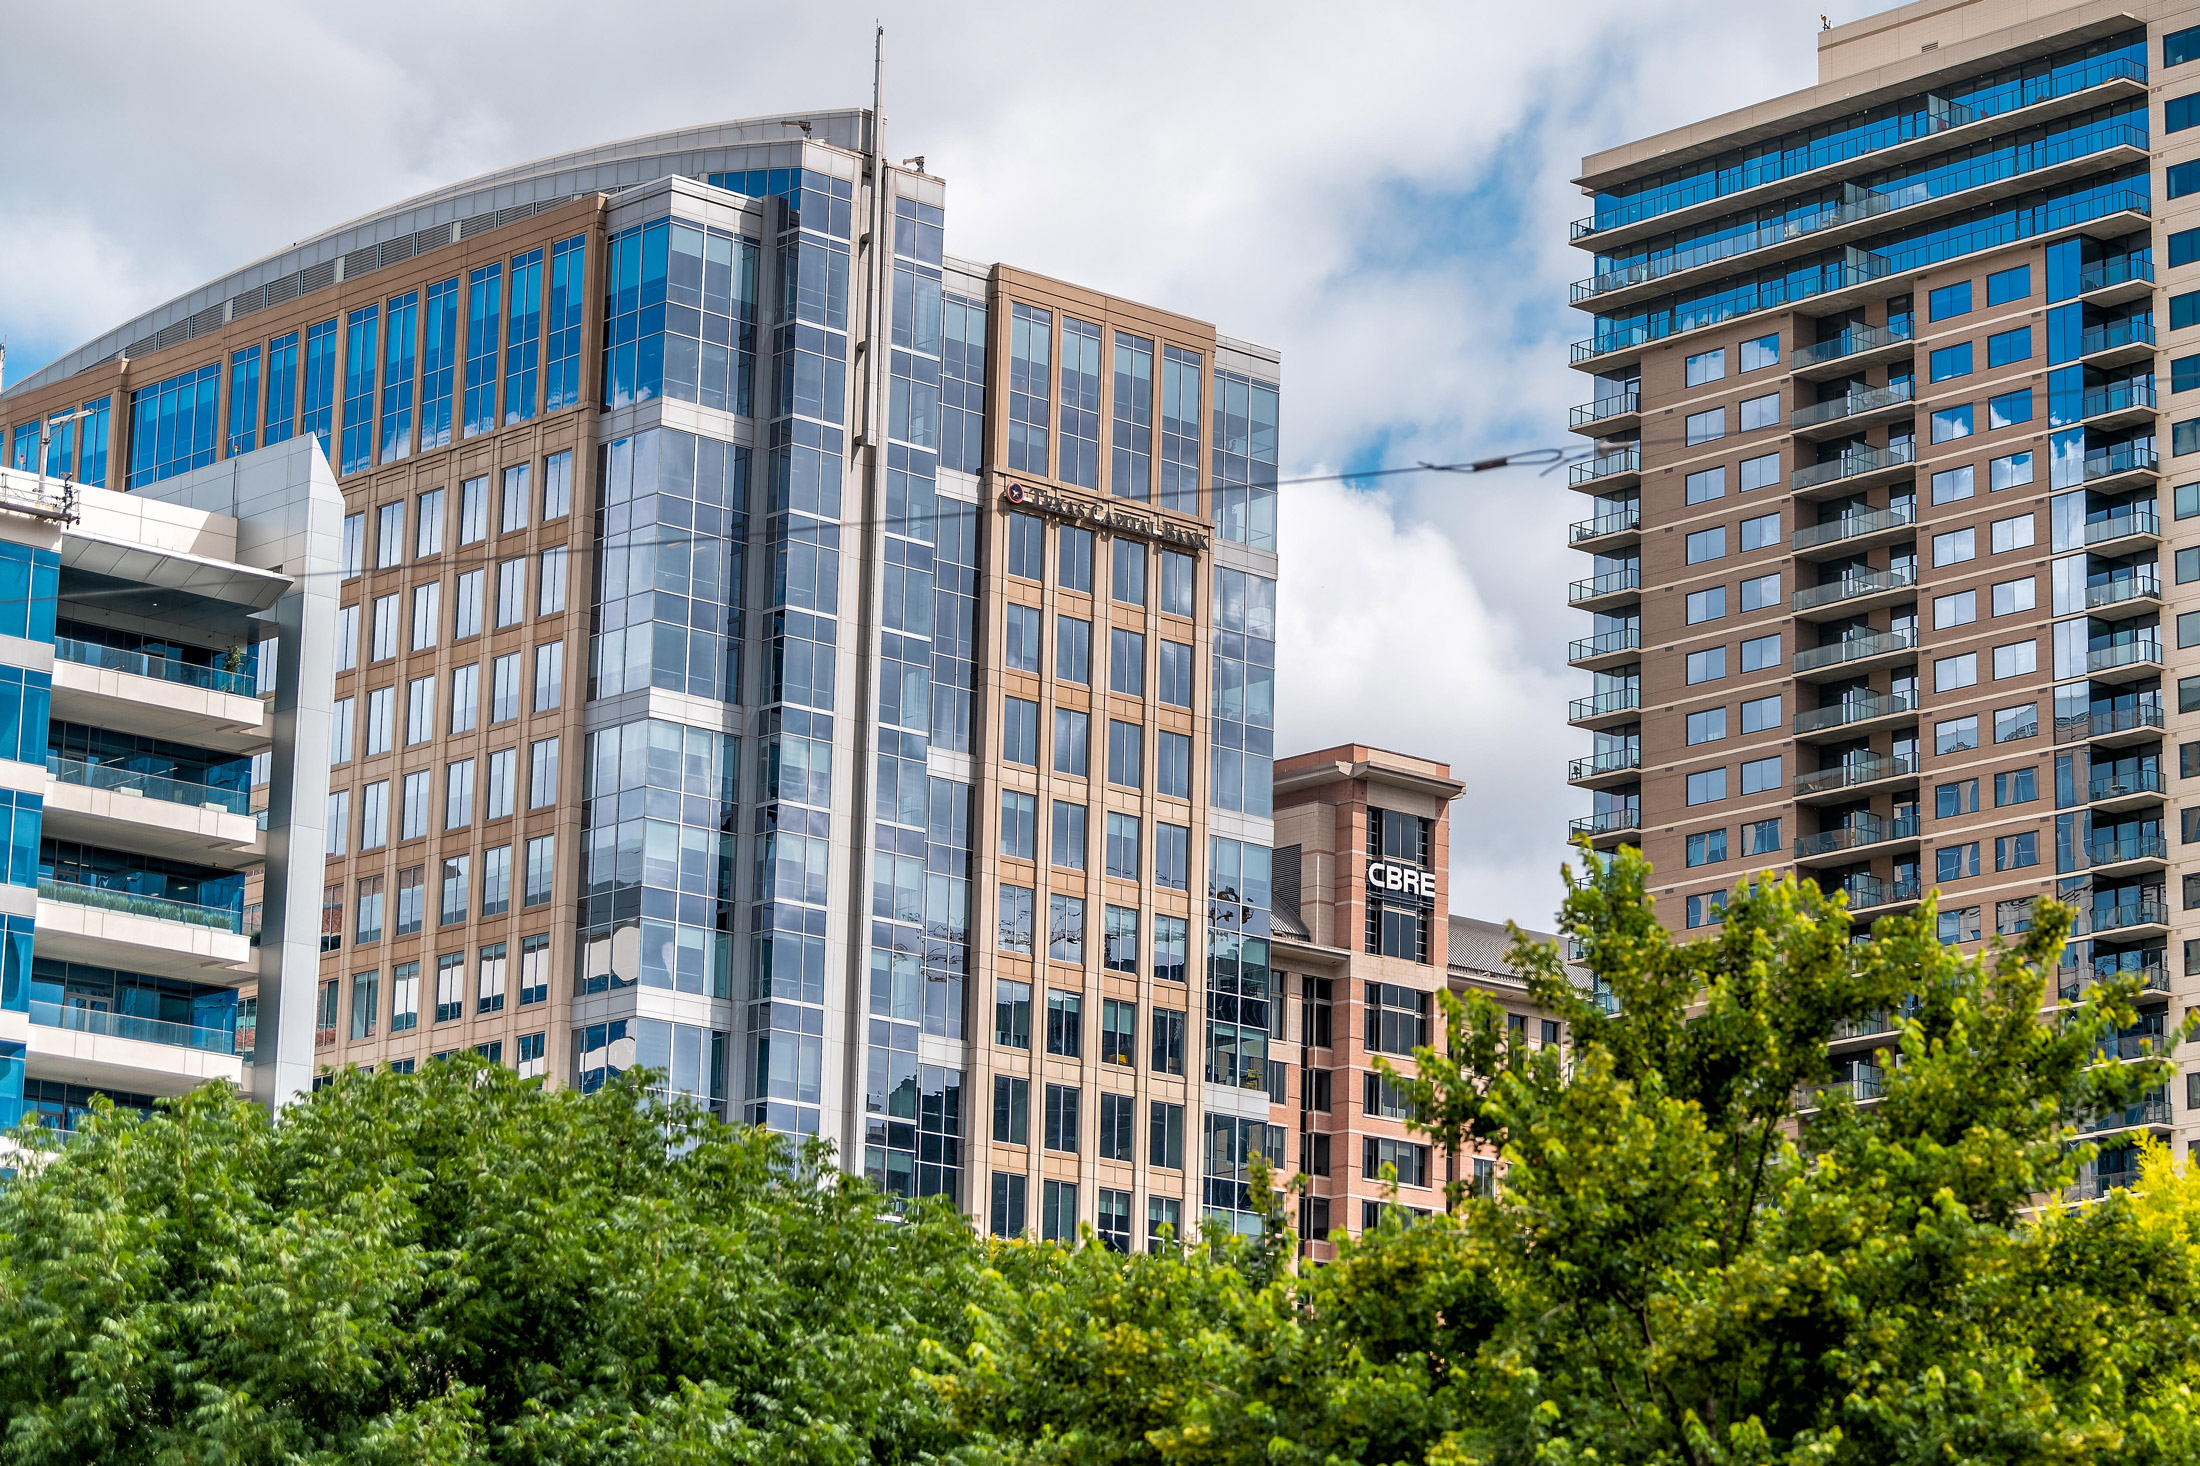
[[1406, 880], [1103, 515]]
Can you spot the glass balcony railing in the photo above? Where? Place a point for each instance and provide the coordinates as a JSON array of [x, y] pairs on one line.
[[165, 669], [2145, 911], [2116, 397], [2151, 970], [125, 1025], [2136, 331], [1604, 704], [152, 786], [1866, 892], [2152, 1110], [2108, 722], [1612, 582], [1855, 584], [2133, 457], [1604, 644], [1857, 768], [1865, 1082], [160, 908], [1606, 524], [2127, 654], [1606, 465], [1853, 464], [1611, 822], [1775, 166], [1854, 524], [1852, 342], [2143, 586], [1604, 408], [1855, 649], [2123, 785], [1853, 404], [2126, 849], [2122, 525], [1859, 707], [2122, 270], [1614, 761], [1859, 832]]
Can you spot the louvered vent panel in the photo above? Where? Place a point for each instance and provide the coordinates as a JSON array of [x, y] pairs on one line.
[[314, 277]]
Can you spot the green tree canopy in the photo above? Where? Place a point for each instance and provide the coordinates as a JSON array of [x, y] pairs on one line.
[[1704, 1252]]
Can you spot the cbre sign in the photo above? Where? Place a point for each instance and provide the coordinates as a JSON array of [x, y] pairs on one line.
[[1389, 877]]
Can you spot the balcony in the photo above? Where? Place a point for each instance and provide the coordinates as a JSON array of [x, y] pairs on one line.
[[2117, 343], [1606, 470], [1600, 651], [1857, 771], [2110, 791], [2120, 279], [157, 697], [1858, 590], [1861, 832], [2120, 404], [2152, 1111], [1615, 706], [1609, 825], [1870, 893], [2144, 586], [1854, 653], [1618, 346], [1599, 592], [121, 929], [2133, 525], [2129, 854], [1603, 768], [2152, 972], [1857, 469], [1855, 709], [1896, 139], [1867, 1082], [1608, 415], [1871, 1025], [2125, 662], [2112, 727], [2147, 916], [1856, 410], [163, 669], [1865, 525], [138, 1030], [159, 908], [1626, 522], [2135, 460], [1853, 349], [151, 786]]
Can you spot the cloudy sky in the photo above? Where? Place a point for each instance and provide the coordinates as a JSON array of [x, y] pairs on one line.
[[1380, 192]]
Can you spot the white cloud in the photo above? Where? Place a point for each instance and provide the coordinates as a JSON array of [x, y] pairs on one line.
[[1380, 191]]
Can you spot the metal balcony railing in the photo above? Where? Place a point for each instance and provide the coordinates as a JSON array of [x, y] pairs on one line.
[[126, 1025], [1865, 1082], [1855, 583], [1613, 761], [1604, 644], [1612, 582], [1603, 704], [1604, 524], [2146, 585], [2137, 519], [1619, 405], [1855, 649], [165, 669], [1606, 465], [1854, 524], [160, 908], [1857, 768], [1853, 464], [1611, 822], [1852, 342], [1866, 892], [1857, 707], [2113, 785], [1856, 834], [1872, 399], [151, 786]]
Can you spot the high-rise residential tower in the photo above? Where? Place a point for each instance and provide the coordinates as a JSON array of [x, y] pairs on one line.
[[773, 652], [1890, 579]]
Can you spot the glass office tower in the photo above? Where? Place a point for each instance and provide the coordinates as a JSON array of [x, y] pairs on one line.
[[774, 652], [1890, 486]]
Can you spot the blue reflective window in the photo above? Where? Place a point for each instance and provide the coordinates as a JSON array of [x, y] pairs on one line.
[[1030, 387], [2179, 113], [523, 342], [2004, 347], [92, 467], [484, 316], [2184, 247], [172, 425], [26, 700], [438, 363], [26, 447], [1951, 300], [561, 368], [397, 375], [2184, 438], [1952, 361], [282, 388], [359, 362], [317, 410], [2184, 310], [2009, 409], [962, 383], [29, 581], [2181, 179], [2184, 373], [2178, 47], [244, 400], [2007, 285]]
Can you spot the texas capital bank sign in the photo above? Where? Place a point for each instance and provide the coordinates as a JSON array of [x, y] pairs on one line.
[[1101, 514]]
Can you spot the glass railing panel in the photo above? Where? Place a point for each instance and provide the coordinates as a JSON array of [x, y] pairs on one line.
[[152, 786], [164, 669], [160, 908], [125, 1025]]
